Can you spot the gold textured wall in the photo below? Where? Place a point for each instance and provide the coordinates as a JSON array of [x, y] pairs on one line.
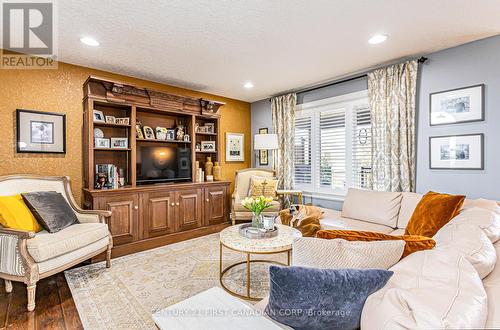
[[61, 91]]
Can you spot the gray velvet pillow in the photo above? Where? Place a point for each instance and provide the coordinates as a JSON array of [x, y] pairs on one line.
[[50, 209], [312, 298]]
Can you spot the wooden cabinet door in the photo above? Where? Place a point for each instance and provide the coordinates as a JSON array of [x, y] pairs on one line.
[[216, 205], [123, 223], [158, 213], [189, 209]]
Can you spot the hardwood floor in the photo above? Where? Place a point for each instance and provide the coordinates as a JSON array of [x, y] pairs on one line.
[[55, 308]]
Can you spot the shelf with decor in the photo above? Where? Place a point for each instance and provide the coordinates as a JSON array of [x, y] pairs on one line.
[[162, 141], [111, 125], [158, 196], [112, 149], [209, 134]]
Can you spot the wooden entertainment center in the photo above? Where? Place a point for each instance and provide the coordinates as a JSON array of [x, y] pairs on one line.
[[145, 216]]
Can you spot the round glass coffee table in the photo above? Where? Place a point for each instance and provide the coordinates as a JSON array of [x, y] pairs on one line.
[[230, 238]]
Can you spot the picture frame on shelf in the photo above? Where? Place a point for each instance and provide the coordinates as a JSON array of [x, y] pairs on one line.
[[210, 128], [455, 106], [149, 133], [98, 133], [456, 152], [263, 154], [119, 143], [110, 119], [40, 132], [198, 146], [170, 134], [102, 143], [207, 146], [187, 138], [161, 133], [99, 116], [122, 121], [235, 147]]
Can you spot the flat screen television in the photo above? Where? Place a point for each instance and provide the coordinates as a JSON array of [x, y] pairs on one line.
[[156, 164]]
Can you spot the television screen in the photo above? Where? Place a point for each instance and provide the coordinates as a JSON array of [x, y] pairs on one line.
[[163, 164]]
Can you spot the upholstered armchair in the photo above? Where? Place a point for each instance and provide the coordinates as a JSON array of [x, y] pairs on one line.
[[26, 256], [241, 187]]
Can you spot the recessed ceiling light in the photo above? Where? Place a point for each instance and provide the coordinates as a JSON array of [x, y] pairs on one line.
[[90, 41], [377, 39], [248, 85]]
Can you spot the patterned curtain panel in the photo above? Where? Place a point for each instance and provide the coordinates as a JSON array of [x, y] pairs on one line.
[[391, 91], [283, 108]]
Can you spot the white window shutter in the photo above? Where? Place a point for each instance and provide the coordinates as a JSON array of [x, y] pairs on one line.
[[331, 150], [302, 156], [361, 148]]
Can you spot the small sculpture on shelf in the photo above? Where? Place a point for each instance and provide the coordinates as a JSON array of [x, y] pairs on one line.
[[138, 129], [180, 131]]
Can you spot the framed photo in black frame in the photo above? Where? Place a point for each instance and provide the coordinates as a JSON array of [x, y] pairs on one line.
[[40, 132], [455, 106], [457, 152], [263, 154]]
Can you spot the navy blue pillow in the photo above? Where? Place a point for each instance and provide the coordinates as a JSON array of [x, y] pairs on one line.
[[312, 298]]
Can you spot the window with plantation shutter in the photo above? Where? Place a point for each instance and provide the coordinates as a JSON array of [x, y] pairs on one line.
[[361, 148], [302, 156], [333, 145]]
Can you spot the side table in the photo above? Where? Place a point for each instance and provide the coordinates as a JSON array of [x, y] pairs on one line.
[[291, 192]]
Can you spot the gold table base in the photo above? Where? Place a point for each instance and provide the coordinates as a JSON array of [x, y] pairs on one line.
[[247, 262]]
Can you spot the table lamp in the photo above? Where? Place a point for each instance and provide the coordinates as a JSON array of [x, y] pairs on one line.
[[265, 142]]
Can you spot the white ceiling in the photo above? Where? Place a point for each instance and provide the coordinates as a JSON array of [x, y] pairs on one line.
[[215, 46]]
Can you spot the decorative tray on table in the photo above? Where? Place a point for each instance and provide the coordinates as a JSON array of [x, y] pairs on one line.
[[248, 231]]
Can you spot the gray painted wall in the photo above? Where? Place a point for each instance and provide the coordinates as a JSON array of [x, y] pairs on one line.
[[465, 65], [469, 64], [261, 117]]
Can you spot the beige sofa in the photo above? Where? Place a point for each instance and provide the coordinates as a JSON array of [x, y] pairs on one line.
[[27, 256], [454, 285], [382, 212], [241, 187]]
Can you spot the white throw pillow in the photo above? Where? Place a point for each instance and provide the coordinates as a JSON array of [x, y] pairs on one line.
[[409, 202], [469, 241], [339, 253], [431, 289], [372, 206], [482, 203], [485, 219]]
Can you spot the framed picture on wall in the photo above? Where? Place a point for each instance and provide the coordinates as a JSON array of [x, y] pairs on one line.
[[235, 147], [455, 106], [457, 152], [40, 132], [263, 154]]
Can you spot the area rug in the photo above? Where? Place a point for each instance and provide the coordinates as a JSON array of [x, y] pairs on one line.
[[125, 295]]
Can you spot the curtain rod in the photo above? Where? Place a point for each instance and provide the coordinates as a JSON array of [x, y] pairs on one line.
[[336, 82]]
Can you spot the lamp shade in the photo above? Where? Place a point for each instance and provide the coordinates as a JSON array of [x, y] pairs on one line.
[[265, 142]]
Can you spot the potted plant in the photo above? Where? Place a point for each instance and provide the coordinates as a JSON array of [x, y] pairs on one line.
[[257, 205]]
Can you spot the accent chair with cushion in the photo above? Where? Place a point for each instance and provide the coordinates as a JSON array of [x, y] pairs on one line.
[[26, 256], [241, 191]]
